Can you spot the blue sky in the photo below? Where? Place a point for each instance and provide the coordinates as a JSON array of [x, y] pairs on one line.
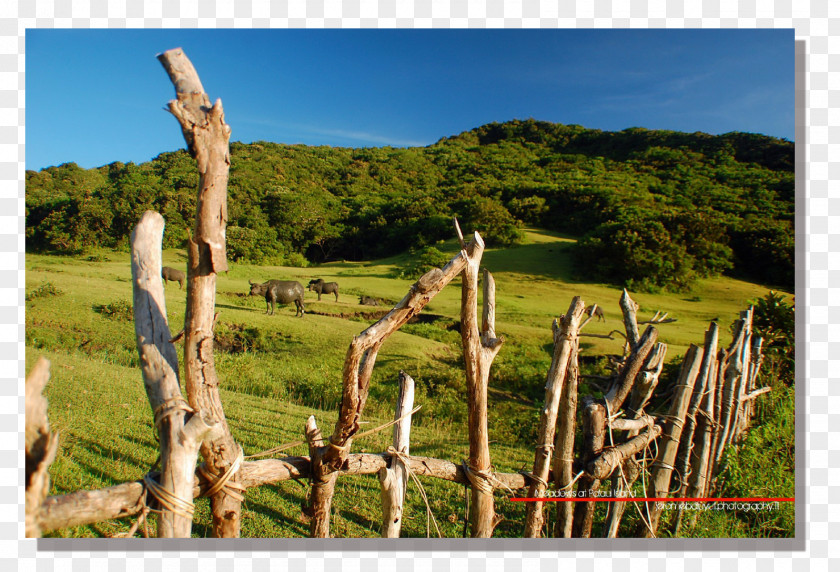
[[97, 96]]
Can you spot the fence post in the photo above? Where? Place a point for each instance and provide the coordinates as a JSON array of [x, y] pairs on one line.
[[565, 443], [207, 137], [41, 446], [565, 342], [660, 478], [393, 479], [643, 388], [480, 348], [687, 459], [180, 431]]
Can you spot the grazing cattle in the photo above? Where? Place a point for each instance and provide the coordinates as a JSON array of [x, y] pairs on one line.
[[174, 275], [368, 301], [599, 313], [322, 287], [280, 292]]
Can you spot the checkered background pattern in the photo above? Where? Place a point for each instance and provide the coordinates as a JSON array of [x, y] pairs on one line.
[[817, 25]]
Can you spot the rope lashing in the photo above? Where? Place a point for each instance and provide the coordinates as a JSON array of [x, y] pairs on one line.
[[531, 476], [223, 481], [405, 458], [484, 481], [168, 500], [171, 406]]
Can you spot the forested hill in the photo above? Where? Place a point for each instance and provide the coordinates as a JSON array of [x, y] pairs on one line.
[[657, 208]]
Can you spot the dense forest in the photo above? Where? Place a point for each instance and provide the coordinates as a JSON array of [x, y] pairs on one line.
[[652, 209]]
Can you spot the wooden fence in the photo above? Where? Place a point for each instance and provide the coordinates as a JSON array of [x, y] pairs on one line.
[[710, 403]]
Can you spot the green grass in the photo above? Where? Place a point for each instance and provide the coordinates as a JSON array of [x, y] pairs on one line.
[[277, 370]]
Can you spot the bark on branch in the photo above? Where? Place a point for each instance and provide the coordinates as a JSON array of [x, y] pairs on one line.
[[87, 507], [603, 466], [41, 446], [565, 342], [207, 137], [664, 465], [180, 433], [394, 479], [480, 349]]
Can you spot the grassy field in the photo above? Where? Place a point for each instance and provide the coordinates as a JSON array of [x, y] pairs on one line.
[[277, 370]]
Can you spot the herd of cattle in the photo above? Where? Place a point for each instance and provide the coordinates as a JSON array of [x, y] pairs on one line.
[[277, 291], [290, 291]]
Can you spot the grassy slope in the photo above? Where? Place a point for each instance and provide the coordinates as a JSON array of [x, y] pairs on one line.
[[97, 400]]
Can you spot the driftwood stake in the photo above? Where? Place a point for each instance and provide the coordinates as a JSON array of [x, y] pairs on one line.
[[180, 434], [732, 369], [700, 477], [602, 466], [628, 309], [480, 348], [394, 478], [663, 467], [40, 447], [594, 427], [565, 338], [565, 443], [646, 382], [207, 137], [688, 459], [743, 363], [632, 366]]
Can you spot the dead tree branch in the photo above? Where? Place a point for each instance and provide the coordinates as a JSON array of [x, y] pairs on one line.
[[180, 433], [41, 446], [394, 479], [480, 349], [664, 465], [207, 137], [565, 341]]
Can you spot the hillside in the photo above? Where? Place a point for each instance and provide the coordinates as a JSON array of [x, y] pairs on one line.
[[654, 208]]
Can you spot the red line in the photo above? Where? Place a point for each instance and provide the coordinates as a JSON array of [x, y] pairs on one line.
[[650, 499]]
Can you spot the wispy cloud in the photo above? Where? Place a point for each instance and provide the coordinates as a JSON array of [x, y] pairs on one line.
[[661, 95], [331, 135]]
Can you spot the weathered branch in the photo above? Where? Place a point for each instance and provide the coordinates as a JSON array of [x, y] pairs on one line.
[[689, 461], [632, 365], [646, 382], [41, 446], [663, 466], [565, 443], [757, 392], [755, 360], [565, 342], [393, 479], [744, 361], [159, 365], [603, 466], [207, 137], [608, 336], [628, 310], [594, 426], [698, 480], [731, 369], [631, 424], [657, 319], [480, 348], [123, 500]]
